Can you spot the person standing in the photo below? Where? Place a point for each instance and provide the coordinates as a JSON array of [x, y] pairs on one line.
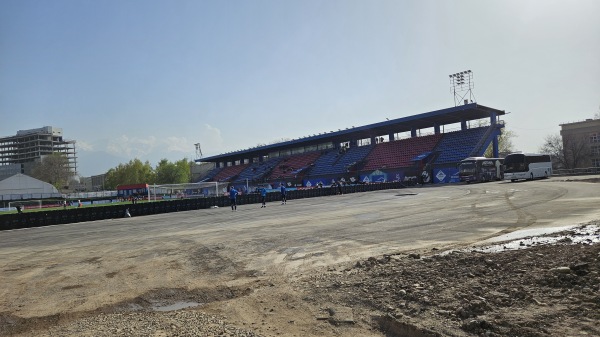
[[283, 194], [233, 198], [263, 195]]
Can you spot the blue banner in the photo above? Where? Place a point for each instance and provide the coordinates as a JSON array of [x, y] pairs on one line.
[[380, 176], [445, 175]]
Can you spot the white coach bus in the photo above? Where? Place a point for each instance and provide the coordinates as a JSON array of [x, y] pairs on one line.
[[527, 166]]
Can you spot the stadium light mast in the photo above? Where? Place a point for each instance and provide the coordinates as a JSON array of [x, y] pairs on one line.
[[462, 85], [198, 151]]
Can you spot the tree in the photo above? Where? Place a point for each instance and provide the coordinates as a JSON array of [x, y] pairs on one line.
[[567, 152], [553, 145], [505, 144], [185, 170], [576, 150], [173, 173], [134, 172], [597, 115], [54, 169]]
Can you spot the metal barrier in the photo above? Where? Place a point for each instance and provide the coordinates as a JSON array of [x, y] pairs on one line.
[[578, 171]]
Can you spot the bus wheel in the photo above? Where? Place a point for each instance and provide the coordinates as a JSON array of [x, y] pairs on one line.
[[545, 175], [532, 176], [513, 180]]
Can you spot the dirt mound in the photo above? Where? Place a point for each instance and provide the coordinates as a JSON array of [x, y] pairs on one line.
[[551, 290]]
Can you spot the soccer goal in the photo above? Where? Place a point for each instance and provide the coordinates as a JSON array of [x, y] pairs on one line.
[[25, 204], [187, 190]]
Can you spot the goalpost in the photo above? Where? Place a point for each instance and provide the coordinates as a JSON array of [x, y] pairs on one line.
[[187, 190], [25, 204]]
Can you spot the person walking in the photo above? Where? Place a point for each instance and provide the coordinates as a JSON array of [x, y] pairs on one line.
[[233, 198], [283, 194], [263, 195]]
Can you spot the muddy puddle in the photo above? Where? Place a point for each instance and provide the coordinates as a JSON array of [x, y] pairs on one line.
[[172, 299], [571, 235]]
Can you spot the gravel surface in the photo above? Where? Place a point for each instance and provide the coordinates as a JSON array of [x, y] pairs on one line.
[[548, 290], [541, 290], [178, 323]]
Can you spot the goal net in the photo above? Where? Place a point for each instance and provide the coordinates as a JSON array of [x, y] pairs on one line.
[[25, 204], [187, 190]]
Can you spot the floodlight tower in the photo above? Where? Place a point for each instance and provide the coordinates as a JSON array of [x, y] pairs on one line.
[[198, 151], [462, 85]]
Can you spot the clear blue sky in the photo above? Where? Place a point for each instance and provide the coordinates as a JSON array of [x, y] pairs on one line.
[[149, 79]]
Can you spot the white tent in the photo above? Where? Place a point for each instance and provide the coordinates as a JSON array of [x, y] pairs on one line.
[[21, 186]]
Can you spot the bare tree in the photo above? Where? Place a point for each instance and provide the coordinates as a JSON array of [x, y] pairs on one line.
[[553, 145], [54, 169], [597, 115], [576, 150]]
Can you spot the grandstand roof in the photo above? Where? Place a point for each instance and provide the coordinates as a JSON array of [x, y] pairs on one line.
[[425, 120]]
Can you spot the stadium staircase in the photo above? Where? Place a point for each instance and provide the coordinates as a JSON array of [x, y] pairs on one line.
[[339, 161], [256, 172], [458, 145], [486, 139]]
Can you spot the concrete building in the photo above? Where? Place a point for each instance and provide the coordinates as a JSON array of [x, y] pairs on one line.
[[29, 146], [581, 143], [93, 183]]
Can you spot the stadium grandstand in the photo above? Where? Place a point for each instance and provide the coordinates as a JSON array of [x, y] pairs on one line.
[[393, 150]]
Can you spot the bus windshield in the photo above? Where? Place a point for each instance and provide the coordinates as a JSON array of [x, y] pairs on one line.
[[515, 163], [480, 169], [467, 167]]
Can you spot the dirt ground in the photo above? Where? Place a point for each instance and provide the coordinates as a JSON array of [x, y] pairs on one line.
[[244, 274], [544, 290], [539, 290]]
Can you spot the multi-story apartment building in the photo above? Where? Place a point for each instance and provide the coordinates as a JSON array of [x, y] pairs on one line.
[[27, 147], [581, 143]]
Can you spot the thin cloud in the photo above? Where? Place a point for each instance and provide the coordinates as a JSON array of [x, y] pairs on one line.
[[133, 147], [84, 146], [178, 144], [212, 140]]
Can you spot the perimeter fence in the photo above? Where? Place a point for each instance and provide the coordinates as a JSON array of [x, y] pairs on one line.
[[73, 215], [577, 171]]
